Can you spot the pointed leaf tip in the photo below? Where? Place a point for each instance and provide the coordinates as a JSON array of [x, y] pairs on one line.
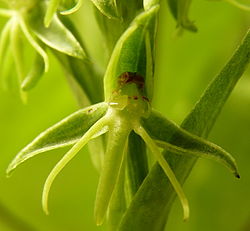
[[34, 75], [51, 10]]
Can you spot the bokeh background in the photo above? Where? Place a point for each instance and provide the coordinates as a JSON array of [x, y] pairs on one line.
[[185, 66]]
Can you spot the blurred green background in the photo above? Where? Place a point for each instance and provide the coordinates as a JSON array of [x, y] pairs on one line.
[[184, 67]]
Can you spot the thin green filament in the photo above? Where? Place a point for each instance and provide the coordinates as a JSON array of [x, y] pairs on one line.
[[113, 160], [4, 40], [239, 5], [166, 168], [34, 43], [69, 156], [6, 13], [17, 55]]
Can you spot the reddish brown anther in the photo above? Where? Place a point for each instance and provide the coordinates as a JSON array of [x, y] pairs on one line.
[[131, 77]]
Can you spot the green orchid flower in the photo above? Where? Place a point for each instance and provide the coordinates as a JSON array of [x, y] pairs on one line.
[[25, 19], [126, 109]]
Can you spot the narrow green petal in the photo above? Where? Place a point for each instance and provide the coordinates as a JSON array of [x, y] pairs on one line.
[[173, 138], [6, 68], [213, 152], [239, 5], [72, 10], [69, 156], [16, 45], [36, 72], [34, 43], [111, 169], [51, 10], [6, 13], [65, 133], [166, 168], [4, 41]]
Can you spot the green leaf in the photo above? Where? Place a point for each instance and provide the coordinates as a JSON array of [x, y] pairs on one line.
[[56, 36], [65, 133], [177, 140], [152, 203], [129, 54], [107, 7], [36, 72]]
